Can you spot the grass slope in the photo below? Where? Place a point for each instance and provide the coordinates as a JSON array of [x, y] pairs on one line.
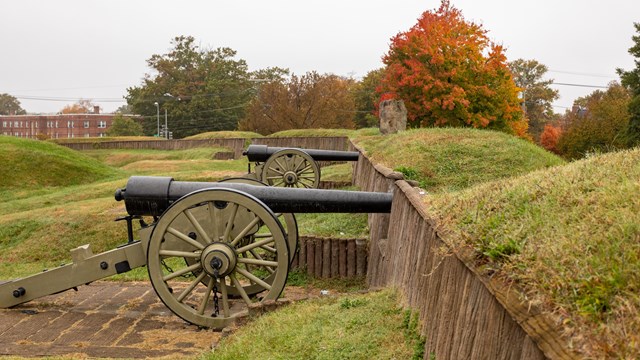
[[570, 237], [444, 159], [368, 326], [29, 164]]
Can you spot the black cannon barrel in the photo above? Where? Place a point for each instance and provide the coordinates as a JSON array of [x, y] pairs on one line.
[[260, 153], [152, 195]]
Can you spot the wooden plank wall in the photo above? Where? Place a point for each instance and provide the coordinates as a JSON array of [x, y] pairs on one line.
[[331, 258], [463, 314]]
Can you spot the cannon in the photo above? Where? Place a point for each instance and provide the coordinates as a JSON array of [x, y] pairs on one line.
[[212, 250], [292, 167]]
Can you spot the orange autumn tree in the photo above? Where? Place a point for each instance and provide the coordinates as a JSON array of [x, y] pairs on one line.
[[549, 138], [448, 73]]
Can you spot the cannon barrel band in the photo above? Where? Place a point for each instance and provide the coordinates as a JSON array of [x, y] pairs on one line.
[[260, 153], [152, 195]]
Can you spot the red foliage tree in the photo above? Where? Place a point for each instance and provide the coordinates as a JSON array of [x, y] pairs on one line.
[[549, 138], [448, 73]]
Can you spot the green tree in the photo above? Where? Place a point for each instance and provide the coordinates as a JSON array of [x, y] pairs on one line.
[[536, 93], [124, 109], [303, 102], [448, 73], [124, 126], [366, 98], [201, 90], [598, 123], [631, 79], [10, 105]]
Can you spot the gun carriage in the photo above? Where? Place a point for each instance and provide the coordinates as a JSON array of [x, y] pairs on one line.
[[292, 167], [212, 250]]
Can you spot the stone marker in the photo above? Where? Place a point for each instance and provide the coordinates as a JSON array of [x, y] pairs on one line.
[[393, 116]]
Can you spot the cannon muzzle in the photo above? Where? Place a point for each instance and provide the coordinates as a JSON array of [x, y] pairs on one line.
[[151, 196], [260, 153]]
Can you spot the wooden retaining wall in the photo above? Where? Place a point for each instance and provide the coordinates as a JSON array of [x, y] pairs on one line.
[[331, 258], [236, 145], [463, 314], [310, 142]]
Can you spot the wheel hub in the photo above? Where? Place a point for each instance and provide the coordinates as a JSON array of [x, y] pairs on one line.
[[218, 257], [290, 178]]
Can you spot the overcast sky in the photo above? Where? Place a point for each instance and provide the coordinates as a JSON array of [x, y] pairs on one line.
[[54, 52]]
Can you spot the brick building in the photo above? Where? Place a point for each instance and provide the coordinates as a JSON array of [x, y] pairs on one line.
[[60, 126]]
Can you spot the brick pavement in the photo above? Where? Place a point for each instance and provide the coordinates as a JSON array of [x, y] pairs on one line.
[[103, 319]]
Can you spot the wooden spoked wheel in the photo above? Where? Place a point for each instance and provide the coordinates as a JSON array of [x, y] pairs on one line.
[[288, 220], [291, 168], [233, 241]]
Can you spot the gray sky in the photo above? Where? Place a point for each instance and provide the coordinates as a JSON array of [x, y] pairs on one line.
[[56, 52]]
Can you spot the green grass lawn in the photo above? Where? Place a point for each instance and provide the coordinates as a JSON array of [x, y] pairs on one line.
[[444, 159]]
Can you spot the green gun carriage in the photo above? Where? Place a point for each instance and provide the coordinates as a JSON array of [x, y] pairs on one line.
[[212, 249]]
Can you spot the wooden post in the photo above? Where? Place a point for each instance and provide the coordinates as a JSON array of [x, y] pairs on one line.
[[318, 261], [335, 265], [351, 258], [361, 257], [311, 259], [326, 258], [302, 254], [342, 258]]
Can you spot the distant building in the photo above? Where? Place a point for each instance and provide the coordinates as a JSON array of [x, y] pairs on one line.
[[59, 126]]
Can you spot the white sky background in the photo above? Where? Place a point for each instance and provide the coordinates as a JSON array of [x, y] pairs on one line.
[[71, 49]]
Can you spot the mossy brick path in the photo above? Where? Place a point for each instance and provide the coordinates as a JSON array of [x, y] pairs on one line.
[[101, 320]]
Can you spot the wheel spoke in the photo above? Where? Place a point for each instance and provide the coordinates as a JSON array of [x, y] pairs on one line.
[[257, 256], [205, 298], [191, 286], [253, 278], [232, 218], [284, 168], [257, 262], [254, 245], [276, 171], [225, 297], [184, 254], [240, 289], [302, 161], [214, 214], [200, 231], [185, 238], [244, 231], [182, 271], [268, 248]]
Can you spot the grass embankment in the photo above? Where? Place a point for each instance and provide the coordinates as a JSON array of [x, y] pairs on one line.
[[453, 159], [32, 164], [570, 238]]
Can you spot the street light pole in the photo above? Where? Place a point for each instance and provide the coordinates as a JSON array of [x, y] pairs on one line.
[[166, 129], [157, 117]]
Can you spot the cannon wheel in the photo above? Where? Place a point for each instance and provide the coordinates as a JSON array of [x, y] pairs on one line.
[[194, 298], [291, 230], [290, 224], [291, 168]]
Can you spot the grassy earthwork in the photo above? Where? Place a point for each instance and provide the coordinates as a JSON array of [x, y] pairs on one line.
[[566, 234]]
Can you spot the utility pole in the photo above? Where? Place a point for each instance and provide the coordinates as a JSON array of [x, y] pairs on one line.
[[166, 129], [157, 117]]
